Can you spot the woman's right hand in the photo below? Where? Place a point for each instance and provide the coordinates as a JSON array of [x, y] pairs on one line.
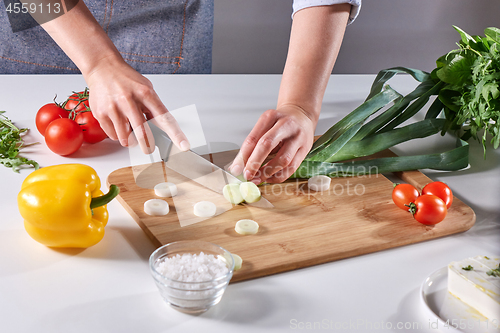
[[122, 100]]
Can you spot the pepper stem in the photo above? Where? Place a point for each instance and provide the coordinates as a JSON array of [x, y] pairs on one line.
[[105, 198]]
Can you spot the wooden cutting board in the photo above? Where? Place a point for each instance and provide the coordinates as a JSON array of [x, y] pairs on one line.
[[356, 216]]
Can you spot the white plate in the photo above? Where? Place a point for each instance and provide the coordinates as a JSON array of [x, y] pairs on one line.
[[449, 313]]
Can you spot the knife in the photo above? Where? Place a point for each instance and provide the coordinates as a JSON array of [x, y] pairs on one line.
[[191, 165]]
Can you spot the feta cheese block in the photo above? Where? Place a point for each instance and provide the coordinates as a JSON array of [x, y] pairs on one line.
[[476, 282]]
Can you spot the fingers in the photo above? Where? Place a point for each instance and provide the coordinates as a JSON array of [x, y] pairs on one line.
[[263, 125], [142, 133], [166, 122], [125, 117], [107, 126], [121, 117], [282, 160], [264, 147], [288, 132], [112, 115], [283, 174], [124, 114], [132, 140], [130, 129], [238, 164]]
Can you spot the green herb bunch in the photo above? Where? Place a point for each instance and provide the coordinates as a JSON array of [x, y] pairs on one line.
[[11, 141], [471, 93]]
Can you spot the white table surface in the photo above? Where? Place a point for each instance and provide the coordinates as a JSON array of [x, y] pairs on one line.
[[108, 287]]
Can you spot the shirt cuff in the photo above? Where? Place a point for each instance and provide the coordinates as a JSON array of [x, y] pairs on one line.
[[355, 6]]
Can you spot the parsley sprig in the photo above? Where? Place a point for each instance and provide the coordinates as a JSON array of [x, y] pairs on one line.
[[11, 141]]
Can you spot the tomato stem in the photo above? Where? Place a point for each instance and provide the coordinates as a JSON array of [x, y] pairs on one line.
[[59, 105], [412, 208]]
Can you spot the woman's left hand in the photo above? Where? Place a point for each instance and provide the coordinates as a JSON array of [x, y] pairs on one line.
[[287, 131]]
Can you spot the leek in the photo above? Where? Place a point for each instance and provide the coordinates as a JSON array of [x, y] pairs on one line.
[[352, 138]]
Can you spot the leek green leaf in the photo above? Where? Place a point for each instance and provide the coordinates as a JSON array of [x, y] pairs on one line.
[[378, 142], [451, 160], [357, 116]]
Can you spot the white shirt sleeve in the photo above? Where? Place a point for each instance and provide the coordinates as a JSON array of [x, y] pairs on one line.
[[301, 4]]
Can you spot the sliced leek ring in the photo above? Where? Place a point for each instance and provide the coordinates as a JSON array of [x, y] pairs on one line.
[[237, 261], [236, 258], [205, 209], [246, 227], [156, 207], [232, 193], [319, 183], [250, 192], [166, 190]]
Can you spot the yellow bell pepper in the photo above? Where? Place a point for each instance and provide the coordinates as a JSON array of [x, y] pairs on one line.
[[63, 206]]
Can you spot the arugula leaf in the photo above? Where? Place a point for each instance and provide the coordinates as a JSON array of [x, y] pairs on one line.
[[490, 89], [11, 142]]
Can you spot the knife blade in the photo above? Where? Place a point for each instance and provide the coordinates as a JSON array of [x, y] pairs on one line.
[[193, 166]]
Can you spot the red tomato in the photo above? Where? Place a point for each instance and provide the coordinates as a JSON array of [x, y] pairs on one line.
[[92, 131], [429, 209], [63, 136], [47, 114], [440, 190], [78, 101], [403, 195]]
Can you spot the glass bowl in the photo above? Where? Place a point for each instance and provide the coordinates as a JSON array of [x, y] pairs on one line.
[[190, 297]]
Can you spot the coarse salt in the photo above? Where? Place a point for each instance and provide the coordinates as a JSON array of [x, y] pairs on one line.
[[192, 282], [192, 267]]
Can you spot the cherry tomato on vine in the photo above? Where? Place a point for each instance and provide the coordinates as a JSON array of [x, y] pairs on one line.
[[440, 190], [48, 113], [78, 101], [403, 195], [92, 131], [429, 209], [63, 136]]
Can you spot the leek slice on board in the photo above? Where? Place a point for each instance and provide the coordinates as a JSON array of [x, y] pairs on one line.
[[246, 227]]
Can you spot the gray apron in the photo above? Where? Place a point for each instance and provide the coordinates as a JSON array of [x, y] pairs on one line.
[[154, 37]]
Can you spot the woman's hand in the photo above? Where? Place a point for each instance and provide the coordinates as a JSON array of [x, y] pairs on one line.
[[287, 131], [122, 100]]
